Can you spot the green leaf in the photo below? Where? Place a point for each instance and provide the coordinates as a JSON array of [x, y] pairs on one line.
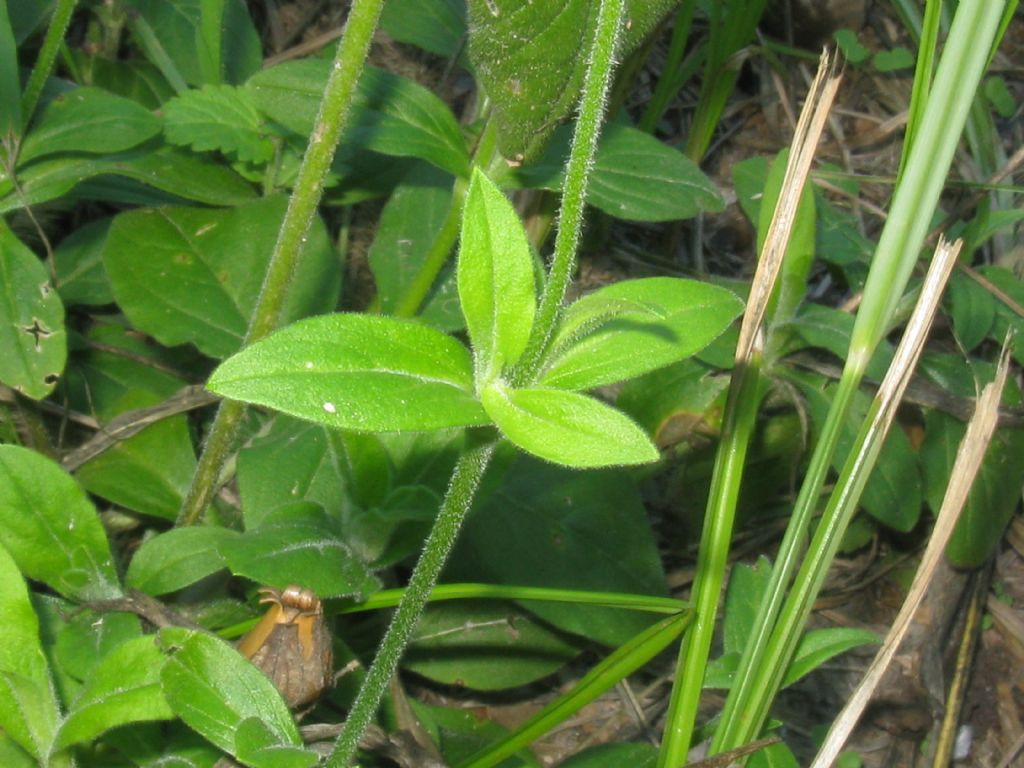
[[167, 169], [530, 59], [566, 427], [819, 645], [32, 334], [892, 60], [391, 114], [110, 363], [436, 26], [678, 318], [149, 472], [10, 80], [994, 495], [676, 402], [178, 26], [76, 639], [496, 285], [162, 745], [395, 116], [638, 178], [412, 218], [395, 530], [177, 558], [215, 689], [13, 756], [81, 278], [257, 746], [51, 529], [829, 329], [893, 494], [293, 461], [621, 755], [28, 709], [218, 117], [853, 50], [553, 527], [192, 275], [88, 120], [634, 177], [484, 646], [743, 598], [357, 372], [299, 544], [135, 79], [973, 310], [123, 688]]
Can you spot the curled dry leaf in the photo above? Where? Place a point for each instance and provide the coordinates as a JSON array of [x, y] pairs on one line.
[[291, 644]]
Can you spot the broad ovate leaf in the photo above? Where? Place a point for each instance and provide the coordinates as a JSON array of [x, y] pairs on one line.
[[215, 689], [566, 427], [51, 529], [28, 707], [495, 275], [192, 275], [673, 319], [32, 334], [357, 372]]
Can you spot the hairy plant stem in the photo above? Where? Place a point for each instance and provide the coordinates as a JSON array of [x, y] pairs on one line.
[[596, 85], [466, 477], [334, 110], [47, 56]]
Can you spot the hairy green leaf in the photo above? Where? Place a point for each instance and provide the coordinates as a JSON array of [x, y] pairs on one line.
[[531, 57], [357, 372], [677, 319], [496, 285], [566, 427]]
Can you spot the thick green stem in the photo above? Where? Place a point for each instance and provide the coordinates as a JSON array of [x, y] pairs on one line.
[[741, 415], [465, 479], [596, 84], [334, 111]]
